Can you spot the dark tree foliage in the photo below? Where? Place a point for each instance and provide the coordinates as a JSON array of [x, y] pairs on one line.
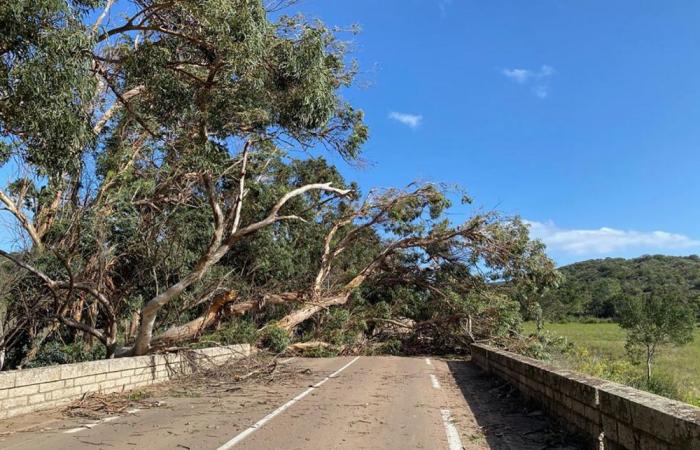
[[598, 288]]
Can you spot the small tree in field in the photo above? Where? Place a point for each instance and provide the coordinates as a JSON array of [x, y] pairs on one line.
[[654, 320]]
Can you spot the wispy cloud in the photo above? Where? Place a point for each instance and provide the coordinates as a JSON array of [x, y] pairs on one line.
[[410, 120], [538, 80], [443, 5], [606, 240], [518, 75], [541, 91]]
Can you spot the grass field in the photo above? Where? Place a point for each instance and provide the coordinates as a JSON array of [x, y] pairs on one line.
[[608, 340]]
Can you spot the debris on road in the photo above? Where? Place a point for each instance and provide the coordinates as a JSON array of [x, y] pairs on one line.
[[95, 405]]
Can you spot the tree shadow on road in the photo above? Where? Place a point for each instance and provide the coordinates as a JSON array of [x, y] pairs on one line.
[[505, 419]]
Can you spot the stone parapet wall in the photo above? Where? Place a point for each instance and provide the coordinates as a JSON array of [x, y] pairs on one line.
[[609, 415], [24, 391]]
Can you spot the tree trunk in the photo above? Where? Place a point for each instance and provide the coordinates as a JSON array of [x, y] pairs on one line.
[[539, 319], [301, 347], [111, 331], [3, 352], [290, 321], [192, 328], [222, 307], [649, 358], [133, 325], [37, 342]]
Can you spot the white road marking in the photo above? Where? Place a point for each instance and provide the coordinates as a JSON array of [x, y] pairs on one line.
[[257, 425], [428, 362], [434, 380], [453, 440], [90, 426]]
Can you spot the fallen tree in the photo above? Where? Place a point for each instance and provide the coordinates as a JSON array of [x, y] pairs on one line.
[[140, 140], [158, 195]]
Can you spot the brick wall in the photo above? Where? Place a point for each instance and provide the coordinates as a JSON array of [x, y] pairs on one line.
[[24, 391], [609, 415]]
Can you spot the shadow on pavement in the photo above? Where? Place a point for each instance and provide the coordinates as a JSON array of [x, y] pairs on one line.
[[506, 421]]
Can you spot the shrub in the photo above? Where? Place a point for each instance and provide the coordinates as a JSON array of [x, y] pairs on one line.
[[275, 339], [58, 353], [389, 347], [660, 384], [234, 332]]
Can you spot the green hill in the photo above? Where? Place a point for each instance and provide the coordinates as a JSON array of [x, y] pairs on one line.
[[595, 288]]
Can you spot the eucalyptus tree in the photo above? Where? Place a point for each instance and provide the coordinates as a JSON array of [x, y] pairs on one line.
[[123, 117], [419, 241], [450, 275], [405, 234]]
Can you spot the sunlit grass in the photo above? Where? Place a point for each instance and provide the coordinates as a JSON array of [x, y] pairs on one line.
[[608, 340]]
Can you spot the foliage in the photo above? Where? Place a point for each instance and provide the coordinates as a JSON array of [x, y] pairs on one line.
[[233, 332], [598, 288], [169, 159], [57, 353], [598, 350], [275, 339], [656, 319], [392, 346]]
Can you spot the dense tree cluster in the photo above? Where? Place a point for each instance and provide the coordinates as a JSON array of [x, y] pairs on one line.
[[168, 184], [600, 288]]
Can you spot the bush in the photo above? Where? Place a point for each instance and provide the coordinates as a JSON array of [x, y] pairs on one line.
[[275, 339], [544, 347], [593, 319], [58, 353], [620, 371], [660, 384], [234, 332], [389, 347]]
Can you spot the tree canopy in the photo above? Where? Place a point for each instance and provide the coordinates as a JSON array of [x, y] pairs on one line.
[[598, 288], [171, 180]]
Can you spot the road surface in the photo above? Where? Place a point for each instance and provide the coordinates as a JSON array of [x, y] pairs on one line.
[[333, 403]]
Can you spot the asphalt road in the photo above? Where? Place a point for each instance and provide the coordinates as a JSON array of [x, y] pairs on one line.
[[334, 403]]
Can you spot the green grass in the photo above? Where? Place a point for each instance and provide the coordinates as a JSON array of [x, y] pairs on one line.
[[608, 340]]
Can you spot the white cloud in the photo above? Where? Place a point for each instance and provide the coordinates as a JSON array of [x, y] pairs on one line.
[[518, 75], [538, 79], [410, 120], [606, 240]]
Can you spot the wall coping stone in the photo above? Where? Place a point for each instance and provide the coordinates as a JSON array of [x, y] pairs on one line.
[[651, 419]]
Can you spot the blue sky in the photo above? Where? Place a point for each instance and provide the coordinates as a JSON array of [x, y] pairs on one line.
[[582, 117]]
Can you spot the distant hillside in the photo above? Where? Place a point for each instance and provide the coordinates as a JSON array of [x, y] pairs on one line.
[[596, 287]]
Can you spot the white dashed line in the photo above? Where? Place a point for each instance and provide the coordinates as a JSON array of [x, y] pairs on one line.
[[434, 380], [453, 440], [90, 426], [256, 426], [428, 362]]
